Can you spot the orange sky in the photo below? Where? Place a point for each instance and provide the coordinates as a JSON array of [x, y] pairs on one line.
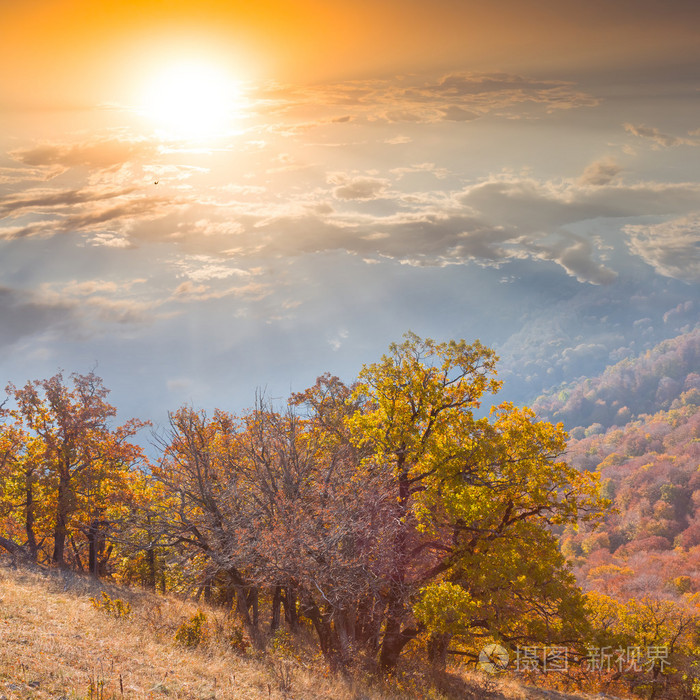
[[70, 51]]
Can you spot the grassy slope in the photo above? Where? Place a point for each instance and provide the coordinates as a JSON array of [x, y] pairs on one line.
[[55, 644]]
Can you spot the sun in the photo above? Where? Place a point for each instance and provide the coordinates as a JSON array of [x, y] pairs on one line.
[[191, 99]]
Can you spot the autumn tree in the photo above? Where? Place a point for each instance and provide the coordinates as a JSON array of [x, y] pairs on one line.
[[384, 510], [328, 525], [23, 491], [272, 503], [662, 633], [61, 444], [210, 510], [463, 487]]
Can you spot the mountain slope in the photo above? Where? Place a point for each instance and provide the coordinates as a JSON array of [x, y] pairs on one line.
[[55, 643]]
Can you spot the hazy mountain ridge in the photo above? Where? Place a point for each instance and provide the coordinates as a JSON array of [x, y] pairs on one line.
[[646, 384]]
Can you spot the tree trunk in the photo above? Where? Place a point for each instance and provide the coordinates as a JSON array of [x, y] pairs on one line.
[[61, 528], [276, 609], [29, 519], [393, 640], [324, 630], [93, 544], [438, 644], [76, 554], [244, 600], [151, 569], [12, 547], [289, 600]]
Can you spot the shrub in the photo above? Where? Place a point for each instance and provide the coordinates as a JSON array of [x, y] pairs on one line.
[[192, 632], [112, 606]]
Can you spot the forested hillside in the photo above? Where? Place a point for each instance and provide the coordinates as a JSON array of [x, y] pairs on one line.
[[650, 539], [638, 426], [632, 387]]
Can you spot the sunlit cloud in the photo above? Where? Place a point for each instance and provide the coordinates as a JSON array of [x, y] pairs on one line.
[[99, 153], [358, 187], [38, 200], [658, 138], [600, 172], [458, 97], [672, 248]]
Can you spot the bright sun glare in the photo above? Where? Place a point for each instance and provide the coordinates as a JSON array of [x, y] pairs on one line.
[[191, 99]]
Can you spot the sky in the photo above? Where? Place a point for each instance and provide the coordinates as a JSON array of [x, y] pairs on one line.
[[201, 200]]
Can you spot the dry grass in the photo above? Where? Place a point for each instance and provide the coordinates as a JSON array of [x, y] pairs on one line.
[[54, 643]]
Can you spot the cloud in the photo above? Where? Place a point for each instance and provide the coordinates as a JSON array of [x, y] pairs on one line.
[[653, 134], [432, 237], [535, 205], [201, 268], [41, 199], [103, 153], [104, 301], [601, 172], [464, 96], [337, 339], [490, 223], [110, 240], [24, 314], [361, 188], [457, 97], [577, 256], [188, 290], [89, 211], [454, 113], [672, 248], [439, 173]]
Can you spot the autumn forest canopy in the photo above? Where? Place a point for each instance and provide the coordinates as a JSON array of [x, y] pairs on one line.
[[387, 515]]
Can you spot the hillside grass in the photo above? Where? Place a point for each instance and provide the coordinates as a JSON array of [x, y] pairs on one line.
[[56, 643]]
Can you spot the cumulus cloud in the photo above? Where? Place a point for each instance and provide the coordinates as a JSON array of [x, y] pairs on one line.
[[188, 290], [105, 301], [399, 140], [577, 256], [489, 223], [337, 339], [672, 248], [465, 96], [601, 172], [110, 240]]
